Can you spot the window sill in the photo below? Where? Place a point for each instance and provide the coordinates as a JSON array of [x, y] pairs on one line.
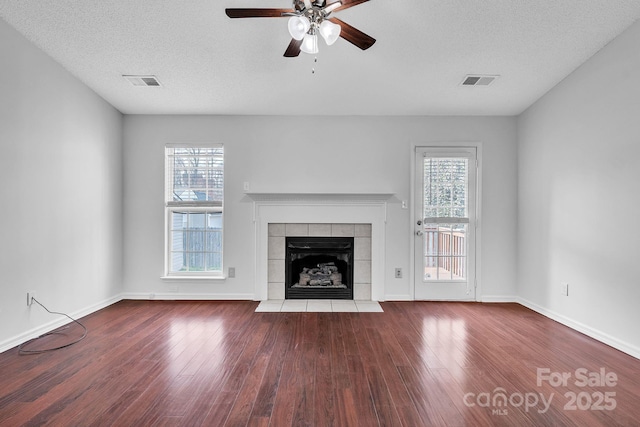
[[214, 278]]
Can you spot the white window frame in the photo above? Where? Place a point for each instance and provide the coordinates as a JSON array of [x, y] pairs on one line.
[[190, 206]]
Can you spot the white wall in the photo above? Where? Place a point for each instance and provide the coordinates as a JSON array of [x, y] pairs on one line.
[[578, 197], [353, 154], [61, 189]]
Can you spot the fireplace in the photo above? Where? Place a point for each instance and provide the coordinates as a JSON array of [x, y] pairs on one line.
[[276, 255], [359, 215], [278, 215], [319, 267]]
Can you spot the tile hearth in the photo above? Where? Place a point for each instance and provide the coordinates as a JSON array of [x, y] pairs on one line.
[[318, 306]]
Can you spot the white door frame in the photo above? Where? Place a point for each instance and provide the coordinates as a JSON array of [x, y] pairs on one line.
[[412, 210]]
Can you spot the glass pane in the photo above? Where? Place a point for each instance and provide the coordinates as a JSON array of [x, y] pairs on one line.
[[445, 251], [459, 239], [214, 261], [179, 220], [195, 241], [178, 261], [445, 187], [214, 241], [445, 241], [430, 239], [197, 221], [430, 268], [444, 268], [214, 220], [178, 241], [446, 195], [196, 174], [196, 261], [459, 268]]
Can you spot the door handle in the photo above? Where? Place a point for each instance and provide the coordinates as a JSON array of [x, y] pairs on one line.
[[419, 233], [419, 222]]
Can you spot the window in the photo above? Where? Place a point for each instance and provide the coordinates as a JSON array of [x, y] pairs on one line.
[[193, 204], [446, 187]]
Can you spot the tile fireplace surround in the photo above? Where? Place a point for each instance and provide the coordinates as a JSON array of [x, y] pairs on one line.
[[361, 234], [363, 216]]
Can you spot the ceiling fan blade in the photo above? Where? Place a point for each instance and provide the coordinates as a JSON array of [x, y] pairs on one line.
[[257, 13], [294, 49], [345, 4], [353, 35]]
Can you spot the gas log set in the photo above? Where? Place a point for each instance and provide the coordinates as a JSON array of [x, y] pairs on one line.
[[325, 274]]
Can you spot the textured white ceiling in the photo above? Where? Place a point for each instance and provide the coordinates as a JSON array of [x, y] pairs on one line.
[[211, 64]]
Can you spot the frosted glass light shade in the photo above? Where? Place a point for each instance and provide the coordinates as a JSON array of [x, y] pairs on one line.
[[298, 26], [330, 32], [310, 44]]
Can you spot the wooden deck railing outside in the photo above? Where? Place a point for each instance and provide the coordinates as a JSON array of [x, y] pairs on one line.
[[445, 249]]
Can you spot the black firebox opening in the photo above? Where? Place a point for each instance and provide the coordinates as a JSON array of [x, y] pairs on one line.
[[319, 268]]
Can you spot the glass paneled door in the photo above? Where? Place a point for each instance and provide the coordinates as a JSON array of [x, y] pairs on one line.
[[445, 223]]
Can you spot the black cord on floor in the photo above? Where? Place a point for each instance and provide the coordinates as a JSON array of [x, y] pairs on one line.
[[21, 349]]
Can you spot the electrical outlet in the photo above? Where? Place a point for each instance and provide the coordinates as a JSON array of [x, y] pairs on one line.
[[30, 296], [173, 288], [398, 273], [232, 272], [565, 289], [245, 186]]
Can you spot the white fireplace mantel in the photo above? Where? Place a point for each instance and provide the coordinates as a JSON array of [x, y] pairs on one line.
[[320, 208], [320, 197]]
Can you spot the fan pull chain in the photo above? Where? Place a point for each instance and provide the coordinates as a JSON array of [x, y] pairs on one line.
[[313, 70]]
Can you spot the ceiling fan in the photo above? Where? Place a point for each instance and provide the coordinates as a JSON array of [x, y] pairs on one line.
[[307, 20]]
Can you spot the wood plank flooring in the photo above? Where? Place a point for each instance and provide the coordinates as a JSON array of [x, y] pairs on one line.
[[160, 363]]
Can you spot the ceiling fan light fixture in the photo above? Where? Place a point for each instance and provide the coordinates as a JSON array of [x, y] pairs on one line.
[[298, 26], [309, 18], [330, 32], [310, 44]]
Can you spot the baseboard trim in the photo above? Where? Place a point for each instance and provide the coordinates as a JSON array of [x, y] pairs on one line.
[[398, 298], [498, 298], [582, 328], [54, 324], [172, 296]]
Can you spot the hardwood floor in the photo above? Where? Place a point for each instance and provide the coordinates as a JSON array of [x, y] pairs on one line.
[[417, 364]]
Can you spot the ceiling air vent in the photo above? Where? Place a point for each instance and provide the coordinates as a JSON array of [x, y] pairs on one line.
[[478, 80], [149, 81]]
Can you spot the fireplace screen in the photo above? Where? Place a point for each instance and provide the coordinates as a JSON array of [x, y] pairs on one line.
[[319, 268]]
